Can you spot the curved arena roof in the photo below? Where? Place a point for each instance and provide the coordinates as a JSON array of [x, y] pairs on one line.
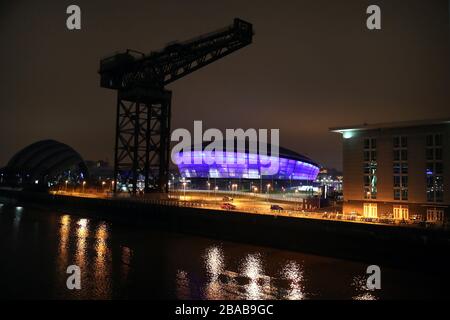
[[245, 165], [44, 158]]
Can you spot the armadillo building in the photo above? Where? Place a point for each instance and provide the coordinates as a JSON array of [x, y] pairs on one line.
[[41, 163]]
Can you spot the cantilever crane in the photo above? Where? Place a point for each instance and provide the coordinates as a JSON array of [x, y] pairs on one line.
[[144, 105]]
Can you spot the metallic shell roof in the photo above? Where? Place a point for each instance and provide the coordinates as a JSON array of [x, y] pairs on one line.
[[44, 158]]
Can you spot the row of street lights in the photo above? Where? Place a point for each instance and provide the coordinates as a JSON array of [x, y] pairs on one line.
[[84, 185]]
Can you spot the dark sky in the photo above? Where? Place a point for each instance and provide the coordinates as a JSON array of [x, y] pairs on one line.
[[313, 65]]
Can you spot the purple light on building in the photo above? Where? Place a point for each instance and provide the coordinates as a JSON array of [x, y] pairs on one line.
[[242, 166]]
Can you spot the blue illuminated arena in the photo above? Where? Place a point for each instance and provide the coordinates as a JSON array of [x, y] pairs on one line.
[[292, 166]]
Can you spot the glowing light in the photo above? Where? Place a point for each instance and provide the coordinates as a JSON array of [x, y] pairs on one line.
[[249, 166], [348, 134]]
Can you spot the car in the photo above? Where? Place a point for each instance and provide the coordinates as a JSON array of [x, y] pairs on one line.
[[226, 199], [228, 206], [276, 207]]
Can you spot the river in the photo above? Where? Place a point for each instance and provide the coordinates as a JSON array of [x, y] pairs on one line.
[[120, 261]]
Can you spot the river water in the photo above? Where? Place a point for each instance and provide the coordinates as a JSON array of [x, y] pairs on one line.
[[127, 261]]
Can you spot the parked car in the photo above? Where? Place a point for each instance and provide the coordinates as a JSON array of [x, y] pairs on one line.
[[276, 207], [228, 206], [227, 199]]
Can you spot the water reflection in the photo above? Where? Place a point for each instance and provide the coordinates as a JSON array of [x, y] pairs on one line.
[[252, 269], [214, 267], [183, 285], [359, 283], [17, 218], [87, 249], [115, 264], [64, 232], [292, 272], [102, 265], [126, 263], [250, 281], [82, 235], [16, 223]]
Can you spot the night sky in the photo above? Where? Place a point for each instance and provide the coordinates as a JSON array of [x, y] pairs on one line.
[[313, 65]]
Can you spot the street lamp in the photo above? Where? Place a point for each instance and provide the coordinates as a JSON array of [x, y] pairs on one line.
[[84, 183], [103, 186], [209, 189], [67, 181], [268, 190], [184, 190]]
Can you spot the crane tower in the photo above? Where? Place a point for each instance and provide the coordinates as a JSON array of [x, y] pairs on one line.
[[142, 141]]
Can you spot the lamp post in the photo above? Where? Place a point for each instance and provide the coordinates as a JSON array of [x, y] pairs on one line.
[[184, 191], [268, 190], [67, 181], [209, 189], [255, 190], [84, 184]]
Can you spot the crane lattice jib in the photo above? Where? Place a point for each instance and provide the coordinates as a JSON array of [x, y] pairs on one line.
[[176, 60]]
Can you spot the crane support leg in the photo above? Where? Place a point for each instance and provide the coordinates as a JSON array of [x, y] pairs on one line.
[[142, 140]]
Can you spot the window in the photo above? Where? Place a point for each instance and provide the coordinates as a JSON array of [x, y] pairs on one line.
[[438, 140], [397, 182], [400, 168], [404, 142], [401, 213], [430, 154], [396, 142], [370, 210], [435, 215], [404, 168], [405, 181], [438, 154], [434, 168], [370, 168], [430, 141], [404, 155]]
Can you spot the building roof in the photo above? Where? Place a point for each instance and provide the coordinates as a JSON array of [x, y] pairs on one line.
[[283, 152], [44, 158], [391, 125]]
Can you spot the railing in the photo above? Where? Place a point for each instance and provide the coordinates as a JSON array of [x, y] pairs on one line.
[[293, 213]]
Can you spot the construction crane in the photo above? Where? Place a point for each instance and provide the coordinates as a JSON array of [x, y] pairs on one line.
[[142, 143]]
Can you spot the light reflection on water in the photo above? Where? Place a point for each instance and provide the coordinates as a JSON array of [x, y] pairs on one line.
[[362, 292], [292, 272], [119, 261], [249, 281]]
